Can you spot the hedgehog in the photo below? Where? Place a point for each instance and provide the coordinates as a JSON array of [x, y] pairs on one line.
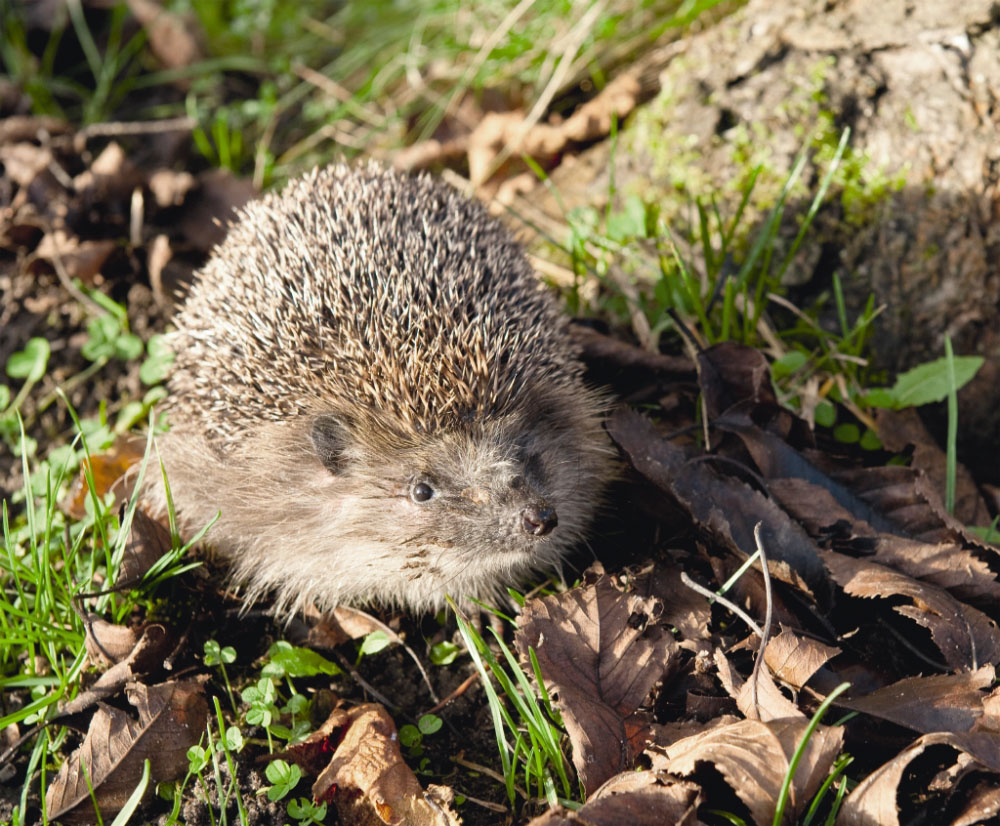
[[378, 400]]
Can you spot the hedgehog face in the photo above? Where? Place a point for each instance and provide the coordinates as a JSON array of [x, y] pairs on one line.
[[467, 511]]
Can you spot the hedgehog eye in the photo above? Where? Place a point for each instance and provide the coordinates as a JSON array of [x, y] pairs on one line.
[[421, 492]]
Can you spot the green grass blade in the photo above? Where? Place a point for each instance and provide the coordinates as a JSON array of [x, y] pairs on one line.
[[793, 764], [132, 804], [951, 460]]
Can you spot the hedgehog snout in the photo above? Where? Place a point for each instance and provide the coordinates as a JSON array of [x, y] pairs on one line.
[[539, 519]]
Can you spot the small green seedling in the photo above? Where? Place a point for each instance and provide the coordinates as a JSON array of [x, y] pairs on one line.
[[286, 660], [284, 776], [372, 644], [926, 383], [261, 697], [306, 812], [412, 737], [444, 652], [217, 655], [158, 360], [108, 338]]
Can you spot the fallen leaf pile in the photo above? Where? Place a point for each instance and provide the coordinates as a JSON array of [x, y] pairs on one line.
[[873, 585], [79, 212]]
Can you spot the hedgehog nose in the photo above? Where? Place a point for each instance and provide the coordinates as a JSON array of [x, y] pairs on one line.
[[538, 519]]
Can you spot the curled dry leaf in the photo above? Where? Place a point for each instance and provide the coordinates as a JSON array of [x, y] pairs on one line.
[[171, 719], [731, 373], [171, 39], [766, 703], [982, 806], [948, 564], [753, 756], [941, 702], [908, 500], [966, 637], [794, 658], [145, 657], [683, 608], [724, 507], [148, 541], [898, 429], [108, 471], [367, 760], [873, 801], [81, 259], [108, 643], [600, 652], [633, 798]]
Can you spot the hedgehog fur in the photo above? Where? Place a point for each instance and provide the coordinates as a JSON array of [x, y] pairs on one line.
[[378, 398]]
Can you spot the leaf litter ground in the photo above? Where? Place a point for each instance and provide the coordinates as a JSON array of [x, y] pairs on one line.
[[871, 581]]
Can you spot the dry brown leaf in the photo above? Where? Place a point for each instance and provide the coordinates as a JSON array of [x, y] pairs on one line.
[[367, 760], [725, 507], [346, 623], [907, 499], [753, 756], [730, 374], [793, 658], [107, 643], [81, 259], [946, 564], [633, 798], [941, 702], [171, 719], [683, 609], [982, 806], [169, 188], [498, 131], [967, 638], [897, 429], [170, 39], [768, 703], [873, 801], [600, 654], [667, 734], [145, 657], [108, 470], [22, 162], [148, 541], [777, 460]]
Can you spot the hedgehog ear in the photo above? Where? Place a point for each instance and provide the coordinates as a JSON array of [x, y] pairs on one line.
[[329, 438]]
